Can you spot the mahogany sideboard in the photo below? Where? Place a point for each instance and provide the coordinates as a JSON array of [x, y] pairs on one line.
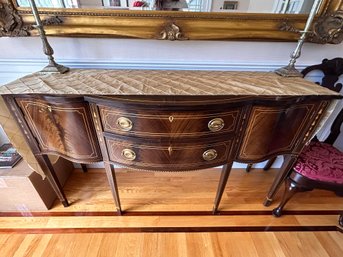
[[166, 121]]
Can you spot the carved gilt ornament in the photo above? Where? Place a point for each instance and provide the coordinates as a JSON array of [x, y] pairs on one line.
[[327, 29], [171, 32], [11, 24]]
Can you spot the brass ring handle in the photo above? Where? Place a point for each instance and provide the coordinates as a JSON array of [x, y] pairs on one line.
[[128, 154], [124, 124], [216, 124], [209, 155]]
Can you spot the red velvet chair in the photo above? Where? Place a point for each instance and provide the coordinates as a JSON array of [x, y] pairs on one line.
[[320, 165]]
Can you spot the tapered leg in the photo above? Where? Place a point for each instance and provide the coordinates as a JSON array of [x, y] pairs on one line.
[[84, 167], [248, 168], [222, 183], [49, 171], [290, 189], [269, 163], [280, 177], [111, 176]]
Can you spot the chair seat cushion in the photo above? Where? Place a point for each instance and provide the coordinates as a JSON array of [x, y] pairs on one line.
[[321, 162]]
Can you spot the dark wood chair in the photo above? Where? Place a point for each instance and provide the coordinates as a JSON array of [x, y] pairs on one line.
[[320, 165], [332, 70]]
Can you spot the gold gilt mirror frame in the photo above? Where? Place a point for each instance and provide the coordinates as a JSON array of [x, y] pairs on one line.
[[173, 25]]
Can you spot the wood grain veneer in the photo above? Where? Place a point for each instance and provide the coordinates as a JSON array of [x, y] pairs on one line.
[[169, 133]]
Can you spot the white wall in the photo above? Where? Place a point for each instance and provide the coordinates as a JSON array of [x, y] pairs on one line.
[[261, 6], [20, 56]]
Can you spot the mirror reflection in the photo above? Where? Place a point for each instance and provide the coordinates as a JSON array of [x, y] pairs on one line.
[[250, 6]]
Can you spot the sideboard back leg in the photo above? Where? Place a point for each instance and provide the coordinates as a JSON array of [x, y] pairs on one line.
[[111, 176], [269, 163], [49, 171], [222, 183], [84, 167]]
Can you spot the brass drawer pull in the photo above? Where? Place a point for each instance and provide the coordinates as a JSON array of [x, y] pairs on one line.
[[124, 124], [209, 155], [216, 124], [128, 154]]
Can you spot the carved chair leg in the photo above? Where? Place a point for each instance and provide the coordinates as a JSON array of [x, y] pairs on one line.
[[269, 163], [222, 183], [111, 176], [290, 189], [84, 167], [248, 168]]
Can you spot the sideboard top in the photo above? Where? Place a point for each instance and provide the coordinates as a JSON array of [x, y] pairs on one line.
[[163, 82]]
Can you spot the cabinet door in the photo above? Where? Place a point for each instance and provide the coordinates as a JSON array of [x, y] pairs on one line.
[[62, 126], [274, 130]]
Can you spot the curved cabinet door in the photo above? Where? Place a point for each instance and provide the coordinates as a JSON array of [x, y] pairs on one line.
[[62, 125], [274, 130]]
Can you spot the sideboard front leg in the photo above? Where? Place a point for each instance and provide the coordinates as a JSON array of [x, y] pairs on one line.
[[280, 177], [111, 176], [222, 183], [50, 173]]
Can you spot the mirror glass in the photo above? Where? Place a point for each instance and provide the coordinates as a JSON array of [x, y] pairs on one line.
[[241, 6]]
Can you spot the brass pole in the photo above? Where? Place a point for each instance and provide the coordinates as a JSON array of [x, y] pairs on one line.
[[290, 70], [52, 67]]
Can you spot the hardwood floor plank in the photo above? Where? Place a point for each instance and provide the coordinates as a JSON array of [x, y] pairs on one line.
[[238, 244], [338, 238], [280, 244], [88, 227], [28, 246], [166, 221], [267, 244], [183, 191], [331, 246], [10, 245]]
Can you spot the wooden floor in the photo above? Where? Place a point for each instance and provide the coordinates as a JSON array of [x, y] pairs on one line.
[[169, 214]]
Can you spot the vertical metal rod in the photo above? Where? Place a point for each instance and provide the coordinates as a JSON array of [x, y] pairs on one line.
[[290, 70], [52, 67]]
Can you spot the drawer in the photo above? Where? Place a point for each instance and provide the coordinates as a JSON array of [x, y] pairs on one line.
[[168, 123], [168, 157]]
